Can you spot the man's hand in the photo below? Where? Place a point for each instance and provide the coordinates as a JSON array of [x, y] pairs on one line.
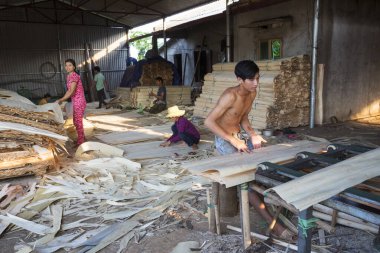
[[151, 93], [59, 101], [240, 145], [256, 141], [165, 144]]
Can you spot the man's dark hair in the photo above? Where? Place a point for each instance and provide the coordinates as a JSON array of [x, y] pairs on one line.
[[246, 69], [97, 68], [158, 78]]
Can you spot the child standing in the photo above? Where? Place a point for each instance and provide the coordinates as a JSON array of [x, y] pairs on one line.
[[100, 83]]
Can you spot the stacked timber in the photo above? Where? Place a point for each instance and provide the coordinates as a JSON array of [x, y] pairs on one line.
[[152, 70], [291, 88], [29, 139], [139, 96], [123, 97], [282, 98]]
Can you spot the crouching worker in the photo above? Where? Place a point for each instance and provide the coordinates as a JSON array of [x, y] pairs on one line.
[[160, 102], [183, 130]]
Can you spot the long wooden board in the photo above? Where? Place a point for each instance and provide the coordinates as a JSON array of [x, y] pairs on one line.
[[30, 130], [307, 191], [137, 135], [152, 149], [239, 168]]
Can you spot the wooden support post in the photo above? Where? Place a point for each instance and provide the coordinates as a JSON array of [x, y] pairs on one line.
[[208, 207], [244, 215], [319, 95], [217, 210], [304, 235], [334, 217], [376, 241], [214, 189], [321, 235]]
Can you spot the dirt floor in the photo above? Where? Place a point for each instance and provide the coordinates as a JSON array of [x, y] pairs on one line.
[[188, 222]]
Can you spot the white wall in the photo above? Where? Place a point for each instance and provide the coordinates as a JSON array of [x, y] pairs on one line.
[[296, 37]]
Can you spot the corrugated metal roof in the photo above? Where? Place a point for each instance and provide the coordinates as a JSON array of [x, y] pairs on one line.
[[131, 13]]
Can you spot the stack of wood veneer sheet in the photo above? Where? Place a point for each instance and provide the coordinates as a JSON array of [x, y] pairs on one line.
[[30, 135], [282, 98], [139, 96], [151, 71]]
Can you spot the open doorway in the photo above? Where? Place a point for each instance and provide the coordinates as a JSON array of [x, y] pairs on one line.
[[204, 65]]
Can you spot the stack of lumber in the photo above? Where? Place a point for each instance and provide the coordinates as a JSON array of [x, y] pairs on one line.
[[282, 98], [152, 70], [139, 96], [28, 139], [291, 89], [123, 95]]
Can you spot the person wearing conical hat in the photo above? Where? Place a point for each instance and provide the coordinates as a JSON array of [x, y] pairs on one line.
[[183, 130]]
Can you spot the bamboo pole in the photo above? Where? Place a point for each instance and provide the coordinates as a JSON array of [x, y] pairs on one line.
[[347, 223], [244, 215], [212, 209], [208, 207], [217, 210]]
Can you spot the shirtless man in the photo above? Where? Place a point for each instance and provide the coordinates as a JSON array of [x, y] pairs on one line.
[[231, 112]]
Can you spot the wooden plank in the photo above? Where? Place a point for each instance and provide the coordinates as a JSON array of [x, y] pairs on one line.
[[152, 149], [319, 95], [33, 123], [99, 148], [137, 135], [10, 156], [30, 130], [37, 169], [24, 161], [335, 178], [239, 168]]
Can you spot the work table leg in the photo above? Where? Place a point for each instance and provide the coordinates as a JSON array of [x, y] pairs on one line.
[[304, 233], [244, 215]]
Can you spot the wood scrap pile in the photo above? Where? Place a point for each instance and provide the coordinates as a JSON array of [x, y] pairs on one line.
[[28, 139], [156, 69], [282, 98], [119, 197]]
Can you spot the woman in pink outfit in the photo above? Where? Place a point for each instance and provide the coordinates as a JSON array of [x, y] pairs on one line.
[[76, 93]]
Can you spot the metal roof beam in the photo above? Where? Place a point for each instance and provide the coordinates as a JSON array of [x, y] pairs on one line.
[[77, 9], [21, 4], [90, 11], [146, 7], [140, 13]]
